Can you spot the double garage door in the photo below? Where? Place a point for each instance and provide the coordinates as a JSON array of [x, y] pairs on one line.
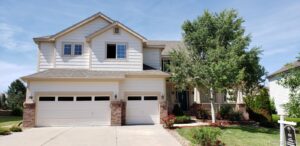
[[73, 111], [93, 110]]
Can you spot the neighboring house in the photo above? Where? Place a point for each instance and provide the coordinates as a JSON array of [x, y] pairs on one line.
[[100, 72], [277, 92]]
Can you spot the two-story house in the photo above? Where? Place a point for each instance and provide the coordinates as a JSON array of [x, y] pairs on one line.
[[100, 72]]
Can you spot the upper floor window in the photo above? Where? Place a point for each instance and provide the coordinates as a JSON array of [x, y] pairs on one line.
[[78, 49], [72, 49], [67, 49], [116, 51], [165, 64]]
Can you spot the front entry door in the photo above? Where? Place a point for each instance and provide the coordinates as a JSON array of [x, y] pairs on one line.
[[183, 99]]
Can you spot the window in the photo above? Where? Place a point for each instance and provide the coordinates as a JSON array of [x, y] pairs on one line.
[[70, 48], [111, 51], [84, 98], [67, 49], [150, 97], [116, 30], [47, 98], [121, 51], [116, 51], [101, 98], [134, 98], [65, 99], [78, 49], [165, 63]]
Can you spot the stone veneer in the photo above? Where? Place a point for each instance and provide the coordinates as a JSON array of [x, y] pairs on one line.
[[118, 110], [163, 108], [29, 115]]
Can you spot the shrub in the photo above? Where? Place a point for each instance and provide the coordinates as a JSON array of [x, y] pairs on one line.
[[17, 111], [235, 116], [177, 111], [4, 131], [169, 121], [203, 114], [15, 129], [182, 119], [225, 111], [205, 136], [259, 107]]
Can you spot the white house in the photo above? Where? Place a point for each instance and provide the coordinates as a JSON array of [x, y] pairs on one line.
[[277, 92], [100, 72]]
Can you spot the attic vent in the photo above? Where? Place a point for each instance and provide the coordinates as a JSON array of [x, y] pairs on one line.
[[116, 30]]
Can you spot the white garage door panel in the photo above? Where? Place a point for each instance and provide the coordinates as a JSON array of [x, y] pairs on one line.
[[142, 112], [73, 113]]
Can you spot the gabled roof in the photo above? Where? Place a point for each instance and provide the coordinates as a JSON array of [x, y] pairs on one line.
[[285, 68], [168, 45], [115, 24], [73, 27]]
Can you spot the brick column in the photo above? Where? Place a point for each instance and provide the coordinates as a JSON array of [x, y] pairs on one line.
[[117, 113], [29, 115], [163, 109]]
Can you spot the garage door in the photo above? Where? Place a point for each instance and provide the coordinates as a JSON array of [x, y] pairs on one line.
[[142, 110], [73, 111]]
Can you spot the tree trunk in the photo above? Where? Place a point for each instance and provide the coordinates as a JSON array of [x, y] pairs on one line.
[[212, 106]]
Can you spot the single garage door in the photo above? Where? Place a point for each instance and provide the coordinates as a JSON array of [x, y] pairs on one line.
[[142, 110], [73, 111]]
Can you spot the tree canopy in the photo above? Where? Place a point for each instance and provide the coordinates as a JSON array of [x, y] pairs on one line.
[[217, 55], [291, 80], [16, 94]]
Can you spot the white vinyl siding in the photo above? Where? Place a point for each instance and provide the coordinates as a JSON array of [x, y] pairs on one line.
[[77, 36], [133, 61], [152, 57], [46, 56], [279, 93]]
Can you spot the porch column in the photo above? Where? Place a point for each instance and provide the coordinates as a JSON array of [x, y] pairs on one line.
[[118, 110], [29, 114], [163, 109]]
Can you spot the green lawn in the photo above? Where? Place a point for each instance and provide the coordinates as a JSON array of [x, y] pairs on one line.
[[9, 120], [244, 136]]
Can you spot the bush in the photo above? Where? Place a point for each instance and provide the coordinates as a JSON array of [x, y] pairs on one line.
[[4, 131], [235, 116], [177, 111], [203, 114], [15, 129], [183, 119], [259, 108], [17, 111], [225, 111], [169, 121], [205, 136]]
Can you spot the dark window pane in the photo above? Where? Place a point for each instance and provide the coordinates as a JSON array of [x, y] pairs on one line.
[[84, 98], [78, 49], [47, 98], [150, 97], [111, 51], [101, 98], [134, 98], [65, 98], [67, 49]]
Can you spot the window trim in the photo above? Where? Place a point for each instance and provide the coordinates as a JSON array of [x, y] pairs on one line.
[[72, 48], [117, 59]]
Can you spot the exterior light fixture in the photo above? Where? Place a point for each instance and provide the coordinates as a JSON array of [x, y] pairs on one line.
[[116, 96]]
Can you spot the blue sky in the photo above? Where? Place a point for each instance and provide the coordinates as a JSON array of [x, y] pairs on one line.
[[273, 25]]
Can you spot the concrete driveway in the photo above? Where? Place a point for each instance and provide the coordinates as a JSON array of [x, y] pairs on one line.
[[148, 135]]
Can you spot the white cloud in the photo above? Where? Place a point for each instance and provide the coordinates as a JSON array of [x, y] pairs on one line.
[[10, 38], [10, 72]]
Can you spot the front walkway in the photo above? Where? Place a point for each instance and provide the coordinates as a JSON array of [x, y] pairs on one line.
[[143, 135]]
